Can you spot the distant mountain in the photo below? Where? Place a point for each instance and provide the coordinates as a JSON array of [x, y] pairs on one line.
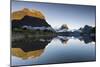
[[63, 28], [89, 30], [29, 19]]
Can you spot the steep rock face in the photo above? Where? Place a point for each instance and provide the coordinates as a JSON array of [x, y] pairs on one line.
[[30, 21], [64, 26], [18, 15], [27, 17]]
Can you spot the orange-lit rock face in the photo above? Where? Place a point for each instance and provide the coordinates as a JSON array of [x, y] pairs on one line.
[[26, 12], [26, 55]]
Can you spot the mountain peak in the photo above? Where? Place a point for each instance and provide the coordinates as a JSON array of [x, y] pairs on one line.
[[17, 15], [64, 26], [25, 9]]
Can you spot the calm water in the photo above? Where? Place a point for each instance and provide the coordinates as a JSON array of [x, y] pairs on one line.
[[47, 50]]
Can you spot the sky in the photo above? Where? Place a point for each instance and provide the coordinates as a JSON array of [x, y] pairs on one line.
[[75, 16]]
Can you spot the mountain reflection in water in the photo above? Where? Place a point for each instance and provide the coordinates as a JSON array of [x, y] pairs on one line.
[[29, 47], [33, 48]]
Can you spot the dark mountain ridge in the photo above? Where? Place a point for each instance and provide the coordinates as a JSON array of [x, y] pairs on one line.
[[30, 21]]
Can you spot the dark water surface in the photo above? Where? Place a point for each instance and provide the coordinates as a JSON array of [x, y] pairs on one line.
[[47, 50]]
